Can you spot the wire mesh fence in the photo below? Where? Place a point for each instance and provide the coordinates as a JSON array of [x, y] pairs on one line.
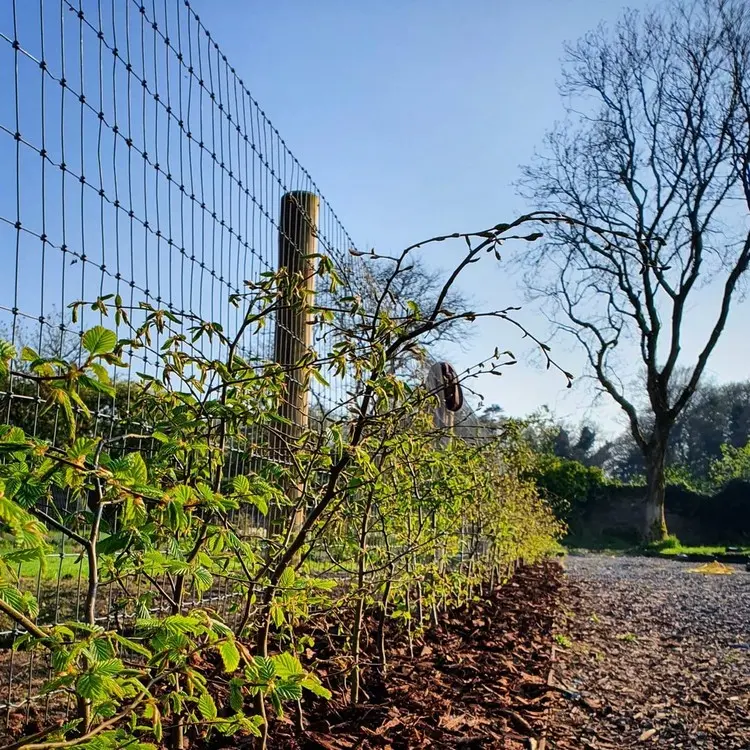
[[135, 163]]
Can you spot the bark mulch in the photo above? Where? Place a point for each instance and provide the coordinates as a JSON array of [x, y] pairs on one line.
[[478, 680], [651, 655]]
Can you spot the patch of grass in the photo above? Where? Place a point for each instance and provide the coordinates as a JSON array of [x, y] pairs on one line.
[[563, 641], [70, 566], [66, 566], [670, 547], [670, 543], [681, 549], [627, 637]]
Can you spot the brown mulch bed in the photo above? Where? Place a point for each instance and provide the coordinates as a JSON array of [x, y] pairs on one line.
[[651, 655], [478, 680]]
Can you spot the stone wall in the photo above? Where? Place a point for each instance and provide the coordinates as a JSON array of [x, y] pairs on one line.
[[696, 519]]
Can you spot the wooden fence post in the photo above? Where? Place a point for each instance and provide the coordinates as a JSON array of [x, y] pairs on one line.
[[298, 226]]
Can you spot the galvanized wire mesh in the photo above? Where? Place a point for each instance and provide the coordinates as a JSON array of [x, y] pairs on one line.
[[135, 163]]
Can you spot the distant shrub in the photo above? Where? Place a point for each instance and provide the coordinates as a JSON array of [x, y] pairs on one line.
[[734, 464], [568, 486], [681, 476]]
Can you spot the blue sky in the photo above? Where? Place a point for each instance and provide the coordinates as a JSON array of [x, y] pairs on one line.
[[413, 117]]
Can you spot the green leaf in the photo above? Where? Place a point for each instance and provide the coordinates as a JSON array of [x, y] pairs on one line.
[[236, 698], [252, 724], [60, 660], [132, 645], [14, 447], [153, 713], [91, 685], [319, 377], [180, 567], [288, 691], [228, 728], [288, 665], [230, 656], [109, 667], [324, 584], [136, 468], [99, 340], [11, 595], [181, 494], [7, 353], [207, 707], [34, 554], [312, 683], [112, 687], [62, 398], [276, 703], [113, 360], [84, 627], [7, 350], [277, 614], [103, 650], [287, 579], [221, 629], [260, 503], [203, 579], [266, 668], [56, 683], [96, 385], [79, 402], [182, 624], [101, 372], [241, 485], [113, 543]]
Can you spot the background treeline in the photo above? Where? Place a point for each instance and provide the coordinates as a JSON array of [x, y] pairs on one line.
[[708, 463]]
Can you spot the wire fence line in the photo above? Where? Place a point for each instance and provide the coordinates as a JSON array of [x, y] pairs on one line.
[[136, 163], [143, 167]]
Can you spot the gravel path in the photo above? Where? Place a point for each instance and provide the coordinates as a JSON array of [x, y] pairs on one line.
[[651, 655]]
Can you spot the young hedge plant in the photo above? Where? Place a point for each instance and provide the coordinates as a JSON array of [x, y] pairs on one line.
[[387, 514]]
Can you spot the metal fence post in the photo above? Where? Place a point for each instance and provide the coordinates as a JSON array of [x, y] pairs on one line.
[[298, 226]]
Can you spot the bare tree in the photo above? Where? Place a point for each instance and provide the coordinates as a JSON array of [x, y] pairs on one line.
[[656, 152], [55, 338], [717, 415], [421, 284]]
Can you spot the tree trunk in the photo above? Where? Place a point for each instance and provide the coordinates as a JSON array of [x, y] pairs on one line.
[[655, 528]]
